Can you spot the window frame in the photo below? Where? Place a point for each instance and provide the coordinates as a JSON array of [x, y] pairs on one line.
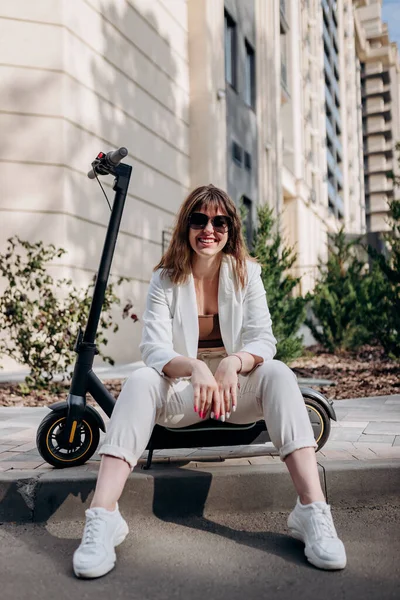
[[250, 75], [230, 44]]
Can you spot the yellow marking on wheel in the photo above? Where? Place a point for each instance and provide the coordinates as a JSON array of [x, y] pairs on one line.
[[71, 437], [68, 459], [321, 420]]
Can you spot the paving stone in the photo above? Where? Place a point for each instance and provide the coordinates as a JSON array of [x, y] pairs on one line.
[[27, 447], [350, 434], [263, 460], [386, 428], [4, 448], [385, 451], [363, 453], [24, 465], [376, 439], [348, 424], [338, 445], [7, 456], [325, 455]]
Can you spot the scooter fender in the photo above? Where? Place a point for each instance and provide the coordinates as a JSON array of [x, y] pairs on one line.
[[320, 398], [63, 406]]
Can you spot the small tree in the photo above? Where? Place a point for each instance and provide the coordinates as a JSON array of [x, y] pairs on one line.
[[381, 305], [287, 311], [335, 301], [40, 316]]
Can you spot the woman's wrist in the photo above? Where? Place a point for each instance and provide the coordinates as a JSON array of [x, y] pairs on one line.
[[238, 362]]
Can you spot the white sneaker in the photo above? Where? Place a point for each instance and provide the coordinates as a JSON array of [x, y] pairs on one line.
[[103, 531], [313, 525]]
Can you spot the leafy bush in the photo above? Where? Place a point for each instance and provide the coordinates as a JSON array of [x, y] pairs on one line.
[[287, 312], [40, 316], [336, 298], [381, 290]]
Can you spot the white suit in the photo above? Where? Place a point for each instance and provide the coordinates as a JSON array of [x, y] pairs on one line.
[[170, 321], [171, 329]]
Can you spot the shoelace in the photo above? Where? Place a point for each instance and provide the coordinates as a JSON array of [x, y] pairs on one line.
[[92, 531], [323, 522]]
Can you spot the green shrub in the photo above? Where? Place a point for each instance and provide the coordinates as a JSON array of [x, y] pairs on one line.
[[336, 298], [40, 316], [381, 290], [287, 311]]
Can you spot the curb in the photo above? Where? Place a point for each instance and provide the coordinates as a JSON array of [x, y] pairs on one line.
[[171, 491]]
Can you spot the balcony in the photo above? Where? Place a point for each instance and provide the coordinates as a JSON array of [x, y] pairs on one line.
[[377, 145], [377, 106], [378, 164], [377, 89], [385, 130], [379, 205], [376, 70], [379, 184]]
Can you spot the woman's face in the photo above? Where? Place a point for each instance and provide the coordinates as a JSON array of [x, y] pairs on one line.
[[208, 242]]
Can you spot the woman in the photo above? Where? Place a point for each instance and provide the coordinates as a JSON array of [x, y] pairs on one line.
[[208, 346]]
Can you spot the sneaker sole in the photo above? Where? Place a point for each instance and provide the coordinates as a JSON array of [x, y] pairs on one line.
[[330, 565], [106, 566]]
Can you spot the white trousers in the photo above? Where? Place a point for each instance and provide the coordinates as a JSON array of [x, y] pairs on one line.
[[270, 392]]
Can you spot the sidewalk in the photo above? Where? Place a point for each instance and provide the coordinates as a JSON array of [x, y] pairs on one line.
[[360, 462]]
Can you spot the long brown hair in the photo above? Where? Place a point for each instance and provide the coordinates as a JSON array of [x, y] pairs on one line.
[[176, 261]]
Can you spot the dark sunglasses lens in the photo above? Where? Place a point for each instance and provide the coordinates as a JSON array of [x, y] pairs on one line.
[[221, 223], [198, 220]]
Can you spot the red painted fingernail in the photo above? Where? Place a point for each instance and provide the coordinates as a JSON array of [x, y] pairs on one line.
[[200, 415], [217, 415], [195, 409]]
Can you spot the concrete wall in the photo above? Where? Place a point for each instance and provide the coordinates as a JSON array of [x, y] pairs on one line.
[[79, 76]]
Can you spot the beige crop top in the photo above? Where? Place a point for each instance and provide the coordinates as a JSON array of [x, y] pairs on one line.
[[209, 332]]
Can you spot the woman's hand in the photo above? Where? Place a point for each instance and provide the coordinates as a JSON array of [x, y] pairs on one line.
[[205, 388], [226, 377]]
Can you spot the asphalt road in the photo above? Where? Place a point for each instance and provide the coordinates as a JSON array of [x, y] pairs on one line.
[[228, 558]]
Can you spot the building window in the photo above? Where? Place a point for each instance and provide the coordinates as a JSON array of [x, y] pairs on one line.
[[250, 77], [247, 161], [237, 154], [230, 50]]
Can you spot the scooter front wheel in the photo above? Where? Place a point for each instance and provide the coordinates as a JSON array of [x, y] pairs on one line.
[[52, 446]]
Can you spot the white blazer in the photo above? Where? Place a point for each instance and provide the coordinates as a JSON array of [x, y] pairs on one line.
[[171, 326]]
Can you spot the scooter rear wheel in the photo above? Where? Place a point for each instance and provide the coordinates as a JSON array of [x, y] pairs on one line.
[[51, 443], [320, 421]]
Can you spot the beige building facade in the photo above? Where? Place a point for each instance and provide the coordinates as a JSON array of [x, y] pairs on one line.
[[230, 92], [380, 81]]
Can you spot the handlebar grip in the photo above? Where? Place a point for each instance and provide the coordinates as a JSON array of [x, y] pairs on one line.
[[116, 156], [112, 158]]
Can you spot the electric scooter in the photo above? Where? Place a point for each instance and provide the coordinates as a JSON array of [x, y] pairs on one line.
[[69, 435]]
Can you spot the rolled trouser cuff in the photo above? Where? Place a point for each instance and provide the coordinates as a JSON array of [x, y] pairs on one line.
[[296, 445], [118, 452]]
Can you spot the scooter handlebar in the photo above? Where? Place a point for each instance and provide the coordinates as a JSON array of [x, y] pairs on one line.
[[111, 159]]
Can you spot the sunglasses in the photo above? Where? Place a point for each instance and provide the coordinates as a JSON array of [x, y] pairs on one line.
[[221, 223]]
